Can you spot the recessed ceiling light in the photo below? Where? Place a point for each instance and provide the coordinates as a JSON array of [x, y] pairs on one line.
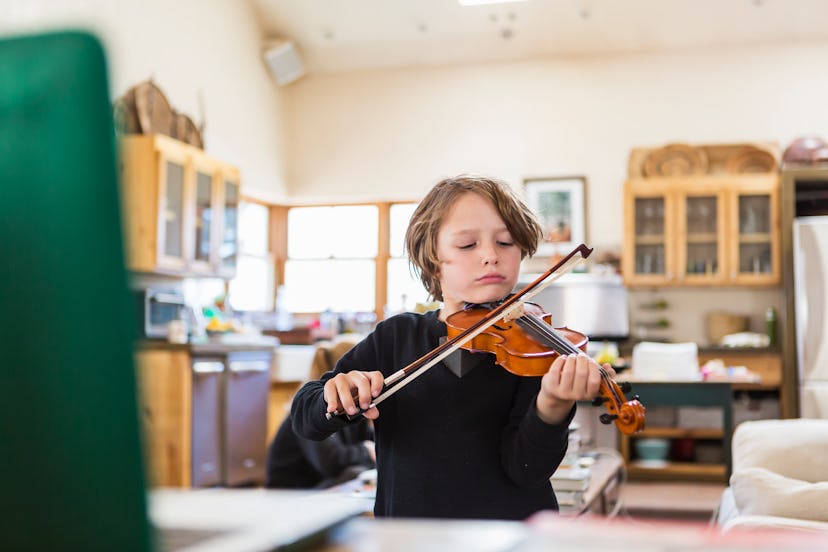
[[481, 2]]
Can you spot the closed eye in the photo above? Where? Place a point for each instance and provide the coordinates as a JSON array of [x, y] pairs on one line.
[[505, 243], [468, 246]]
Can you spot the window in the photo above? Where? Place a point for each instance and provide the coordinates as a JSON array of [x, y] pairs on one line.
[[252, 289], [331, 258], [334, 261], [404, 288]]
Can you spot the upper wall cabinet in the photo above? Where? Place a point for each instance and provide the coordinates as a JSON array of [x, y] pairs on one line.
[[181, 208], [703, 215]]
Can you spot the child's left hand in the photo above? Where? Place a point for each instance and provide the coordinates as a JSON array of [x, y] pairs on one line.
[[570, 378]]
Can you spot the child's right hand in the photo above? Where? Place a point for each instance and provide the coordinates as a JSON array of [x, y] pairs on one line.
[[354, 391]]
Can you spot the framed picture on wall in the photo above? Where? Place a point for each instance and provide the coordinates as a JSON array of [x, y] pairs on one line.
[[559, 203]]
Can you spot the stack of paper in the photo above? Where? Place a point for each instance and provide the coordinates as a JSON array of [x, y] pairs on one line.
[[569, 484]]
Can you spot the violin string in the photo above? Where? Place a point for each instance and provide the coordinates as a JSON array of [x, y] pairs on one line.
[[556, 338], [553, 337], [563, 345]]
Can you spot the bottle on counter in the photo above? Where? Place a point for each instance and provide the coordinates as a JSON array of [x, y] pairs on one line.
[[770, 325]]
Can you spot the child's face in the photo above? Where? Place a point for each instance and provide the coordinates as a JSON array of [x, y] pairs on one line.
[[479, 261]]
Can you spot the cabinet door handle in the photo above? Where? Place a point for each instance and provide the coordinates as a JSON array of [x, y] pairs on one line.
[[208, 367], [249, 366]]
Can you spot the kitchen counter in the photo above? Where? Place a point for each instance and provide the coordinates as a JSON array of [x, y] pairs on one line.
[[219, 345]]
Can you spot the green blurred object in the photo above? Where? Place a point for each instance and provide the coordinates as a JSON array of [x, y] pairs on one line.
[[71, 462]]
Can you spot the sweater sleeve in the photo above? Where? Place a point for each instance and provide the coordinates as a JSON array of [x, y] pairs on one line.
[[308, 411], [309, 407], [336, 452], [531, 449]]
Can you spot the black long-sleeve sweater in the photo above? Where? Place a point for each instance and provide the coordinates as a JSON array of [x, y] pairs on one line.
[[296, 462], [447, 447]]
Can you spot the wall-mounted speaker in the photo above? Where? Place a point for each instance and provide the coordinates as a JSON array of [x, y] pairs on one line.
[[283, 61]]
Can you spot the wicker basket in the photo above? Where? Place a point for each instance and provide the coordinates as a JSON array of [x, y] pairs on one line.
[[720, 324]]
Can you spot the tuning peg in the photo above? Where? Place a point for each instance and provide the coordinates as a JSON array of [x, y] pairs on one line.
[[607, 419], [636, 398], [625, 386], [598, 401]]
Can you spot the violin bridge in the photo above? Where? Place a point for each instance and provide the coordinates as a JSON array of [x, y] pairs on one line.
[[514, 312]]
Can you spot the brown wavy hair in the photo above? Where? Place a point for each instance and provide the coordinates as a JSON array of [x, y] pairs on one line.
[[421, 235]]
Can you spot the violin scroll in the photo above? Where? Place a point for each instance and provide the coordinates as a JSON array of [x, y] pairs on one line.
[[628, 415]]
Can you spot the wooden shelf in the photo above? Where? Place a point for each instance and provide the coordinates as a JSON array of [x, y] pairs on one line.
[[674, 470], [680, 433], [675, 394], [703, 237], [650, 239], [755, 238]]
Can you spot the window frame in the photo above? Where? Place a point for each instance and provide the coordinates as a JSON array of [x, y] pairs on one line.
[[278, 240]]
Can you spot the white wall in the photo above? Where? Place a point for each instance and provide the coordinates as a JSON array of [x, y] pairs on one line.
[[394, 133], [189, 47]]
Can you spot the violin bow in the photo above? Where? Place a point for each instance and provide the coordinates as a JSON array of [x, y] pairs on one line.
[[406, 375]]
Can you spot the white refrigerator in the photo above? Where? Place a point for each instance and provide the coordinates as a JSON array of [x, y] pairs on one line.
[[810, 242]]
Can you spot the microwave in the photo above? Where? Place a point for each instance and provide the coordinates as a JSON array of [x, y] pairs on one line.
[[156, 309]]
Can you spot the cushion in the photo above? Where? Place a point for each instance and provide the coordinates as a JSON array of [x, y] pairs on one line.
[[761, 492], [796, 448], [763, 523]]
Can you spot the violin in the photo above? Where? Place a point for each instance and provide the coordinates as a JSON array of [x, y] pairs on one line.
[[527, 345], [628, 415]]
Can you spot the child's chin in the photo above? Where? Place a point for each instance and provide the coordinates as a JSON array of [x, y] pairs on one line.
[[489, 297]]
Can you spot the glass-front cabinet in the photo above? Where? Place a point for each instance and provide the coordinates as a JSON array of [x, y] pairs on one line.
[[651, 234], [228, 248], [203, 230], [180, 208], [702, 236], [702, 231], [171, 219], [756, 226]]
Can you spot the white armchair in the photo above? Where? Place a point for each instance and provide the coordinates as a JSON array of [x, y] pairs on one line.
[[780, 476]]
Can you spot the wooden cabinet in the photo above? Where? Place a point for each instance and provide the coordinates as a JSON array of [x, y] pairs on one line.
[[165, 399], [700, 434], [180, 206], [204, 414], [709, 227], [676, 394]]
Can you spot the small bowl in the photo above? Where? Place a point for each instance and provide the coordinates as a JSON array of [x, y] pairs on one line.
[[652, 449]]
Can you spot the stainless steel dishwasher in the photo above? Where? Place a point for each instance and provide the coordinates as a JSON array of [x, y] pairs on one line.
[[247, 382], [208, 389]]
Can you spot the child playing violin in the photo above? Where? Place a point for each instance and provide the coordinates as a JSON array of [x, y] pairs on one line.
[[467, 439]]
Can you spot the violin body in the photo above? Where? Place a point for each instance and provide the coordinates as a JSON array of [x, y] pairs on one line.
[[527, 346], [515, 351]]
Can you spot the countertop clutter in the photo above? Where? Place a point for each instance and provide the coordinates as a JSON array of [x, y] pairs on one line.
[[220, 344]]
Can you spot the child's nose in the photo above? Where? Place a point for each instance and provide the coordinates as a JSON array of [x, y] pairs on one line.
[[489, 254]]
